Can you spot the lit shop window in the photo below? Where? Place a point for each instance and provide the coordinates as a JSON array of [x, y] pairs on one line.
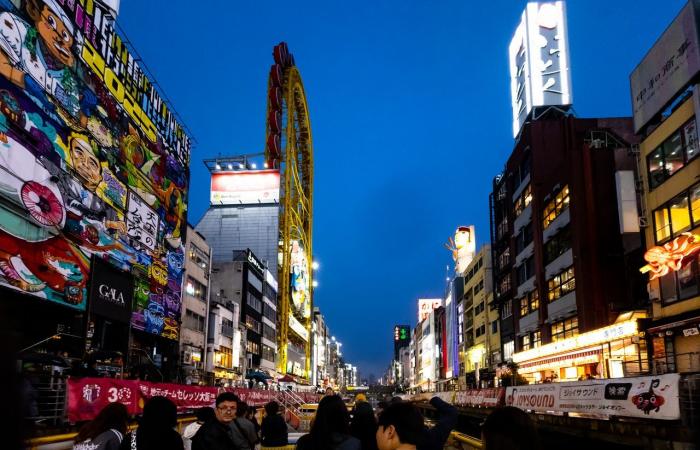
[[252, 347], [530, 340], [683, 283], [508, 350], [561, 284], [523, 201], [556, 206], [678, 215], [674, 153], [564, 329]]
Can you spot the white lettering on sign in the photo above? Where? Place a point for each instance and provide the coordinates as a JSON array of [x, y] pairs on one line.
[[111, 295]]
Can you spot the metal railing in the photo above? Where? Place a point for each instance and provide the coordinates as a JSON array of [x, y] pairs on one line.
[[47, 398], [680, 362]]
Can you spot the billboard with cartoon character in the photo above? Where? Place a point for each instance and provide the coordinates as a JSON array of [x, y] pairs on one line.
[[93, 163]]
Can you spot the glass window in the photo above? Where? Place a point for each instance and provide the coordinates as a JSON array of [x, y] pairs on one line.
[[662, 225], [525, 342], [198, 256], [564, 329], [558, 245], [695, 203], [524, 307], [194, 321], [494, 327], [523, 201], [507, 310], [673, 153], [680, 214], [556, 206], [196, 289], [561, 284], [655, 165], [508, 350], [536, 339], [688, 278], [690, 137]]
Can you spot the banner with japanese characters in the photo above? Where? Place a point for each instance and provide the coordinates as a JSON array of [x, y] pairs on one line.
[[653, 397], [484, 398]]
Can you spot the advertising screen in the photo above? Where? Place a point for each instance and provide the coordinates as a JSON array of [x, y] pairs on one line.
[[668, 67], [92, 162], [245, 187]]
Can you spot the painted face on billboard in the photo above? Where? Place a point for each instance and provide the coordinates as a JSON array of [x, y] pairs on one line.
[[85, 162], [56, 35]]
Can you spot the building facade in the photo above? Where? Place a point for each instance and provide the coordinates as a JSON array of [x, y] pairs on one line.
[[564, 248], [195, 307]]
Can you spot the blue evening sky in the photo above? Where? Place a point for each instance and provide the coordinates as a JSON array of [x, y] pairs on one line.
[[410, 114]]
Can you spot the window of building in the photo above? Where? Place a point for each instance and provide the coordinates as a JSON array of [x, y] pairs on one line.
[[507, 310], [503, 258], [523, 239], [678, 215], [224, 357], [502, 229], [683, 283], [194, 321], [198, 256], [252, 324], [478, 309], [270, 293], [501, 192], [558, 245], [226, 327], [268, 353], [504, 285], [269, 333], [494, 327], [530, 340], [561, 284], [529, 303], [508, 350], [196, 289], [564, 329], [523, 201], [481, 330], [270, 313], [673, 154], [526, 270], [254, 302], [478, 286], [556, 206], [252, 347]]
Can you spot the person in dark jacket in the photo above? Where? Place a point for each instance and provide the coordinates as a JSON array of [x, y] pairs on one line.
[[216, 434], [104, 432], [435, 438], [274, 428], [243, 430], [331, 428], [509, 428], [156, 428], [364, 425]]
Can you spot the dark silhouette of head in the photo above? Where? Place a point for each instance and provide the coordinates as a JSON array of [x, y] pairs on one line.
[[399, 423], [331, 418], [509, 428], [159, 413], [272, 408], [114, 415], [205, 414], [364, 425]]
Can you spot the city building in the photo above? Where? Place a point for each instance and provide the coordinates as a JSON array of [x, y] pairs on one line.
[[195, 307], [224, 362], [321, 349], [481, 349], [91, 243], [246, 282], [666, 105]]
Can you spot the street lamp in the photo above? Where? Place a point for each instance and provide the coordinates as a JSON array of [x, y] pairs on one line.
[[315, 265], [314, 283]]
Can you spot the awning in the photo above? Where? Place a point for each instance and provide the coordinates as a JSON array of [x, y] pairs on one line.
[[676, 324], [561, 358]]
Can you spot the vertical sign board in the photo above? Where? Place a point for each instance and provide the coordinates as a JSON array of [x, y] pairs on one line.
[[667, 68], [111, 291], [539, 61], [93, 161]]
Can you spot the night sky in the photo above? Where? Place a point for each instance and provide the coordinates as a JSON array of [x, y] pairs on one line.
[[410, 113]]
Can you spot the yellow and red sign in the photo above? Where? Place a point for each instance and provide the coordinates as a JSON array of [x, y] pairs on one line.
[[669, 258]]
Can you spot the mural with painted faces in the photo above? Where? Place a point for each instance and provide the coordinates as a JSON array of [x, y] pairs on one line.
[[159, 273], [85, 162], [54, 29], [141, 294]]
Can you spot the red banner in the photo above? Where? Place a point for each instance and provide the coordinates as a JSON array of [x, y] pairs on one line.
[[87, 396], [485, 398]]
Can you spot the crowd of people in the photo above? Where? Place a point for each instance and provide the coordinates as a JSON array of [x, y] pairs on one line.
[[232, 425]]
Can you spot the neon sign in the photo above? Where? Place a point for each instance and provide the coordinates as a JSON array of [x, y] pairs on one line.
[[669, 258]]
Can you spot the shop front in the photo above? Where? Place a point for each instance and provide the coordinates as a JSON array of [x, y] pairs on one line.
[[675, 344], [614, 351]]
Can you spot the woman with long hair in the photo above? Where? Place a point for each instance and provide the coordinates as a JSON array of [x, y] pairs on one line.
[[509, 428], [331, 428], [156, 430], [104, 432], [364, 425]]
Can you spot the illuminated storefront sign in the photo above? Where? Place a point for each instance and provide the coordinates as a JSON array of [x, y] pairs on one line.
[[539, 61], [401, 333], [669, 258], [426, 306], [595, 337], [463, 247]]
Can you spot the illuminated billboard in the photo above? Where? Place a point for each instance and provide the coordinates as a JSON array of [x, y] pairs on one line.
[[299, 282], [93, 163], [539, 61], [667, 68], [463, 247], [426, 306], [402, 333], [245, 187]]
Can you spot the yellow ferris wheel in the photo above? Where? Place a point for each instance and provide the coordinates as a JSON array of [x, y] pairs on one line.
[[289, 148]]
